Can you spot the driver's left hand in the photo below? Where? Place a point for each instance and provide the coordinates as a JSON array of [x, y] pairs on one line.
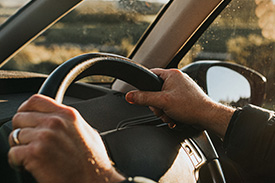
[[57, 145]]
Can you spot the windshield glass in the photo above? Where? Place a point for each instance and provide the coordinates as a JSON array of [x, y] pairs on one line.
[[244, 33], [112, 26], [9, 7]]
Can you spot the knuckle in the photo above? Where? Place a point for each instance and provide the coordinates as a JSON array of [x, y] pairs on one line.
[[13, 157], [16, 118], [11, 154], [32, 158], [43, 137], [175, 71], [55, 123], [70, 113], [34, 99]]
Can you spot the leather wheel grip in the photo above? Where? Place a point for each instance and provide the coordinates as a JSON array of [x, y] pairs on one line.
[[98, 64]]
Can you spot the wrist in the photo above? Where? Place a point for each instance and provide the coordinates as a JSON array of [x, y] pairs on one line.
[[218, 119]]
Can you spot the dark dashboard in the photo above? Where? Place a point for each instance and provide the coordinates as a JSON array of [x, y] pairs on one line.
[[92, 101]]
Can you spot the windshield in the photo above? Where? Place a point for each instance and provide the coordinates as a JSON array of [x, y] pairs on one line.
[[94, 26], [9, 7]]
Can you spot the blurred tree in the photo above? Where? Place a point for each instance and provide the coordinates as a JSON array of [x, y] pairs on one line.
[[266, 12], [142, 7], [256, 52], [240, 13]]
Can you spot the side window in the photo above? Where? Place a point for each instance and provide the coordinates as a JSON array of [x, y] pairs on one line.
[[244, 33], [8, 8]]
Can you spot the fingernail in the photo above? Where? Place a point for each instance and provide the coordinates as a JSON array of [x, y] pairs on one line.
[[130, 97]]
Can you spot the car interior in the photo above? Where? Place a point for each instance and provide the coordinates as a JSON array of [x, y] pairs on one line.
[[137, 141]]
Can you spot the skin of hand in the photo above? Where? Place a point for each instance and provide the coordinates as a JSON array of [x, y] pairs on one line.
[[57, 145], [182, 100]]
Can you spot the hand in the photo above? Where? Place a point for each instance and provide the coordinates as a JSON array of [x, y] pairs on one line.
[[57, 145], [182, 100]]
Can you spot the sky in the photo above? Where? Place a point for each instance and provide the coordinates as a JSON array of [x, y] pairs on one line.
[[226, 85]]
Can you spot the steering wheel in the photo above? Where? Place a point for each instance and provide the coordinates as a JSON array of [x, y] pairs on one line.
[[152, 149]]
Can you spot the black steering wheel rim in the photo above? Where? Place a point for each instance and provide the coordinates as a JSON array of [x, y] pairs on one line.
[[122, 68], [112, 65]]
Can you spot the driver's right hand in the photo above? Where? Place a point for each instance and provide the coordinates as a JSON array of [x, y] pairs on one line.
[[182, 100]]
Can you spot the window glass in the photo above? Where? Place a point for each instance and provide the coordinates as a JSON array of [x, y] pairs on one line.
[[94, 26], [244, 33], [9, 7]]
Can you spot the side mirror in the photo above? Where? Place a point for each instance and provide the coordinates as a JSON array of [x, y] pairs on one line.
[[228, 83], [227, 86]]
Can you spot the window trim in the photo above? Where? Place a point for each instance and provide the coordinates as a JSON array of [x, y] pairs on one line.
[[193, 39]]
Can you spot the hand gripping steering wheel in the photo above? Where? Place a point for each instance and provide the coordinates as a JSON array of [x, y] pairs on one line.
[[152, 151]]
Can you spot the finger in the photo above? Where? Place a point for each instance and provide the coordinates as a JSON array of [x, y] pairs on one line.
[[160, 72], [166, 73], [16, 156], [25, 136], [157, 71], [164, 118], [11, 139], [156, 111], [29, 119], [145, 98], [172, 125], [39, 103]]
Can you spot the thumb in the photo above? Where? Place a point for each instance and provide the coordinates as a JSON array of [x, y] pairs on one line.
[[144, 98]]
